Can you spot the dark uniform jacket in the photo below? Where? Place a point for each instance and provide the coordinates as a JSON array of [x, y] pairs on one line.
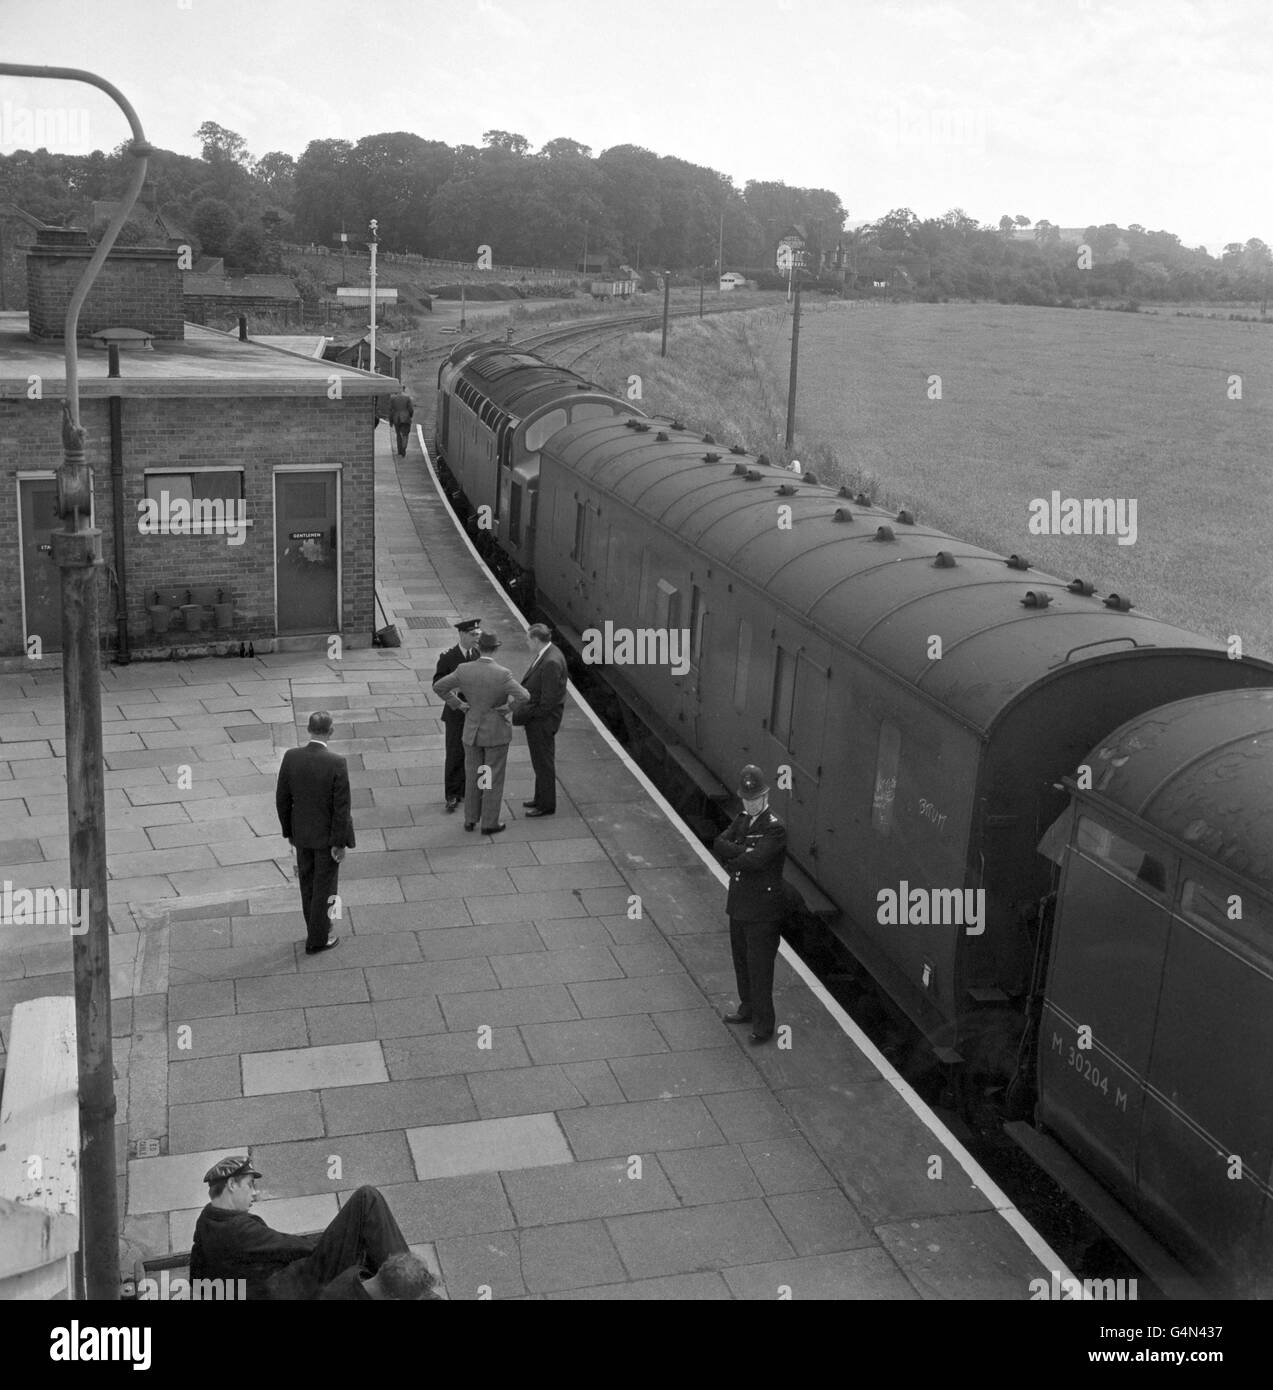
[[238, 1245], [312, 798], [546, 681], [754, 858], [447, 662], [401, 408]]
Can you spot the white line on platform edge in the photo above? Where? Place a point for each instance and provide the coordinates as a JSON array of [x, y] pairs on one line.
[[1033, 1241]]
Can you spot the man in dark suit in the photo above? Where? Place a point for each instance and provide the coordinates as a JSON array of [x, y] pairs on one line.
[[401, 411], [483, 690], [453, 718], [312, 798], [545, 678], [753, 848]]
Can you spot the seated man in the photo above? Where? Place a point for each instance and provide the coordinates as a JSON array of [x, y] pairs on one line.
[[402, 1279], [231, 1243]]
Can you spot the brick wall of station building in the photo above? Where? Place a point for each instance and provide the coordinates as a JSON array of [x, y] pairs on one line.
[[255, 433], [137, 287]]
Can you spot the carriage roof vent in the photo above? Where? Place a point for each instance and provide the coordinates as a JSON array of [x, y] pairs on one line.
[[710, 457], [1016, 562], [811, 478], [1080, 586], [944, 561], [663, 436], [737, 449], [1117, 601], [785, 490], [709, 439], [906, 518], [884, 533], [642, 426], [763, 460], [1036, 598], [862, 500], [676, 425], [740, 470], [753, 475], [842, 514]]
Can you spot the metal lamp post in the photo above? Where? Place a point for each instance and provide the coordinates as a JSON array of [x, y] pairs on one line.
[[77, 550]]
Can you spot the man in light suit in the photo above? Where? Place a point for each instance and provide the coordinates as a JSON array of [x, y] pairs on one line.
[[483, 689], [545, 678], [312, 800]]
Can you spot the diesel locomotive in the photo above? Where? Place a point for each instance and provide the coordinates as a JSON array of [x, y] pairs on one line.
[[1052, 903]]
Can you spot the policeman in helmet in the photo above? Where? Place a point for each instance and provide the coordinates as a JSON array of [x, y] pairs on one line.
[[753, 849]]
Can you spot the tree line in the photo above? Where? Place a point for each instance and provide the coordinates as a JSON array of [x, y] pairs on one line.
[[626, 205]]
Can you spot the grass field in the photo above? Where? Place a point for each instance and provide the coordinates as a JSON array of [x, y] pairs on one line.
[[1090, 403]]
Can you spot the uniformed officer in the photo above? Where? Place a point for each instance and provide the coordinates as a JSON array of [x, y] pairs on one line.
[[453, 719], [754, 848]]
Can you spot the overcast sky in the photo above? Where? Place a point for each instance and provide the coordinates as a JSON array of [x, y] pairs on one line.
[[1078, 111]]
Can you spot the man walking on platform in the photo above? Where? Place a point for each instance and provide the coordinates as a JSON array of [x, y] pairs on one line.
[[312, 800], [545, 678], [453, 718], [483, 689], [753, 848], [401, 412]]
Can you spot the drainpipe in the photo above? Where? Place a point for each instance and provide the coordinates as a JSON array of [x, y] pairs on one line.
[[77, 553], [116, 406]]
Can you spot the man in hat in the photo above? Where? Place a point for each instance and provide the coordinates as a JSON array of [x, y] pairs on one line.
[[545, 678], [312, 800], [453, 717], [231, 1243], [753, 848], [401, 411], [483, 689]]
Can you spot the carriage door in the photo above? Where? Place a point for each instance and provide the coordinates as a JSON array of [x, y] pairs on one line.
[[796, 724], [41, 579], [307, 551], [694, 681]]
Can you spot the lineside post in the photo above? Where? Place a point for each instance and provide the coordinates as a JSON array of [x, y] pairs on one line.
[[667, 299], [795, 359]]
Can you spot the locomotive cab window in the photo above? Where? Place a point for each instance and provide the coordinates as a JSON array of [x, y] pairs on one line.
[[538, 431], [1121, 856]]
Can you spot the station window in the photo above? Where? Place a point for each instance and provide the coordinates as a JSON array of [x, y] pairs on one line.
[[207, 491], [581, 532], [885, 795], [1121, 855], [741, 665], [784, 696]]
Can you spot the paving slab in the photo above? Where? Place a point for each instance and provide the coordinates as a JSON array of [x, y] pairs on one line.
[[565, 966], [313, 1067], [454, 1053], [717, 1236], [743, 1115], [819, 1223], [685, 1073], [283, 991], [445, 977], [486, 1266], [341, 1023], [855, 1275], [506, 939], [675, 1288], [582, 1191], [507, 1007], [601, 1131], [176, 1181], [786, 1164], [334, 1164], [968, 1255], [438, 1100], [212, 1036], [523, 1091], [264, 1118], [209, 1078], [485, 1146], [560, 1257], [594, 1081], [442, 1207], [717, 1174], [654, 994]]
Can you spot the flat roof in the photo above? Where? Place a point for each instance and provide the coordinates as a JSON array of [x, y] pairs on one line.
[[207, 363]]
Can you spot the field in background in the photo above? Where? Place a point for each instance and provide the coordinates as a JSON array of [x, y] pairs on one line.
[[1090, 403]]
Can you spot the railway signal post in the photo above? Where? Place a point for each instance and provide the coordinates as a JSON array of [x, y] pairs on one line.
[[794, 262]]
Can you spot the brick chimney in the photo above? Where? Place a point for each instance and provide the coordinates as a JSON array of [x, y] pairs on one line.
[[137, 287]]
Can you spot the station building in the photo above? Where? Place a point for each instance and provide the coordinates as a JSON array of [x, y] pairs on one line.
[[200, 431]]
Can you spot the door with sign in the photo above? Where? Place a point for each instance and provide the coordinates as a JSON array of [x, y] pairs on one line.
[[41, 580], [306, 552]]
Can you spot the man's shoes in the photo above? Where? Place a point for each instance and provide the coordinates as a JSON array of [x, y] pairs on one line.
[[535, 811], [452, 802], [739, 1016], [493, 829], [326, 946], [757, 1038], [470, 825], [530, 806]]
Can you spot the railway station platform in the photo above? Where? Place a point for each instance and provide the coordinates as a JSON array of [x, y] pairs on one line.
[[535, 1076]]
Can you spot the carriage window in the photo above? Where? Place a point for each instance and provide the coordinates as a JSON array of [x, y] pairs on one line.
[[669, 606], [538, 431], [581, 529], [1124, 857], [885, 796], [696, 624], [783, 698], [741, 664]]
